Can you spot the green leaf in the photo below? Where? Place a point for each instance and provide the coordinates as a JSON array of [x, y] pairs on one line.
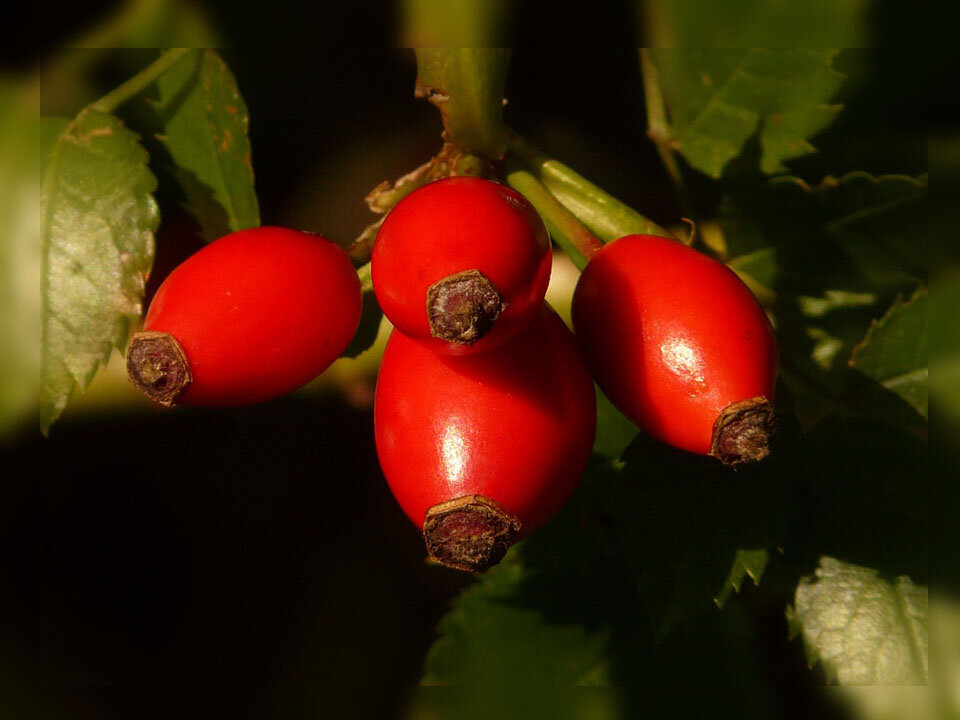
[[690, 528], [466, 85], [856, 232], [486, 626], [718, 99], [564, 608], [746, 563], [202, 122], [827, 260], [863, 628], [98, 222], [945, 348], [894, 351]]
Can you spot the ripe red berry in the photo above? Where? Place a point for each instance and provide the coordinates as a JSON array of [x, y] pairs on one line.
[[680, 345], [461, 264], [481, 449], [251, 316]]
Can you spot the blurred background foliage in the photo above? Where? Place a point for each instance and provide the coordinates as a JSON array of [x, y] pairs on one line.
[[261, 546]]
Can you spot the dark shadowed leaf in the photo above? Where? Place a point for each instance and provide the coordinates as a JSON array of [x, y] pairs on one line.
[[827, 260], [98, 222], [202, 122], [894, 351], [857, 233], [746, 563], [756, 23]]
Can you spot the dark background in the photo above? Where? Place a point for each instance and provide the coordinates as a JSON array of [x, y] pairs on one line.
[[260, 547]]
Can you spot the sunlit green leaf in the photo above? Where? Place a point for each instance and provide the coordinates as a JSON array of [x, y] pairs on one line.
[[864, 628], [717, 99], [98, 222]]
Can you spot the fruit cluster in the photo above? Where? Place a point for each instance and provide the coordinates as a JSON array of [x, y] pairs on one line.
[[485, 410]]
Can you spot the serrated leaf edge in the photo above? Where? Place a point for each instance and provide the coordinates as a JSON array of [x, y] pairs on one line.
[[48, 418], [899, 304], [813, 656]]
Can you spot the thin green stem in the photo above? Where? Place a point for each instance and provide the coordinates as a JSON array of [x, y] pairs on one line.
[[571, 235], [658, 130], [139, 82], [606, 216]]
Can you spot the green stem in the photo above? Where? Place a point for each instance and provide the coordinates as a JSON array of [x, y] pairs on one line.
[[658, 130], [571, 235], [466, 85], [606, 216], [139, 82]]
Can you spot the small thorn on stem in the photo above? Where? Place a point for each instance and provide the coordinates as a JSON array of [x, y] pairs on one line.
[[470, 533], [158, 367], [744, 432], [463, 307]]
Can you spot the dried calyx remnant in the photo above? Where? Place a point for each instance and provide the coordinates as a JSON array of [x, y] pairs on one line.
[[471, 532], [157, 365], [463, 307], [743, 432]]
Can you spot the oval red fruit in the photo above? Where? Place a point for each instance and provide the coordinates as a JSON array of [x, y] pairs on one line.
[[680, 345], [481, 449], [251, 316], [461, 264]]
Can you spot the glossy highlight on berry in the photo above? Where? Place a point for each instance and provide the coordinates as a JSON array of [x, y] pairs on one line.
[[481, 449], [680, 345], [461, 264], [251, 316]]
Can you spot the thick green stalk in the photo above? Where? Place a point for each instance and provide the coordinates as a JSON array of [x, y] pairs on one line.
[[466, 85]]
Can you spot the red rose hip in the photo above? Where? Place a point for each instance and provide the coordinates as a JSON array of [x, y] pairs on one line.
[[680, 345], [461, 264], [481, 449], [251, 316]]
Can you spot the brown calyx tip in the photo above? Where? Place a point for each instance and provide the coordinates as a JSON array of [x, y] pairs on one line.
[[461, 308], [743, 432], [157, 365], [471, 532]]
